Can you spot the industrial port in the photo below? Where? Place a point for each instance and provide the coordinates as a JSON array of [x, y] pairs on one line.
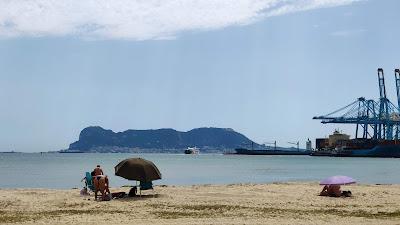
[[377, 126], [377, 129]]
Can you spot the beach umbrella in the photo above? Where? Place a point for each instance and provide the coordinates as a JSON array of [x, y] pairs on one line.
[[137, 169], [338, 180]]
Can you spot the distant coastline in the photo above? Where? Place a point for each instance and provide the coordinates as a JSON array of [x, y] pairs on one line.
[[11, 152], [96, 139]]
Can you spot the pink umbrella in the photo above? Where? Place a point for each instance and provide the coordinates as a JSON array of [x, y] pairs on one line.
[[337, 180]]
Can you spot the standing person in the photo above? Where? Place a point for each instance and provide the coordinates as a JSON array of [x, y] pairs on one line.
[[100, 181], [98, 171]]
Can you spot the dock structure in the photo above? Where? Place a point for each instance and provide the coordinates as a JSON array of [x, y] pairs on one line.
[[374, 119]]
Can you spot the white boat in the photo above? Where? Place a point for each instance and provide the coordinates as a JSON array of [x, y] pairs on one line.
[[193, 151]]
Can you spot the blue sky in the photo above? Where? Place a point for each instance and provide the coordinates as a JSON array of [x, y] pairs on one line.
[[264, 71]]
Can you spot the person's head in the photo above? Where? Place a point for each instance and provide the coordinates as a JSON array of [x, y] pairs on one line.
[[98, 166]]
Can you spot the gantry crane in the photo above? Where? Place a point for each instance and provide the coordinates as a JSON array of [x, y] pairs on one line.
[[377, 119]]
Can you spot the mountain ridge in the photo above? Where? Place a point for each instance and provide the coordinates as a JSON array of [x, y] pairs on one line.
[[98, 139]]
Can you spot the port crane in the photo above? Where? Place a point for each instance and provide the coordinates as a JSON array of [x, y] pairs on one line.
[[270, 143], [374, 119], [295, 143]]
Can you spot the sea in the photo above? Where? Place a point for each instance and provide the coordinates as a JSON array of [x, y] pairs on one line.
[[65, 171]]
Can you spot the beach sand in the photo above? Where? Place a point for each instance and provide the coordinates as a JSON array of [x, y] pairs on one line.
[[282, 203]]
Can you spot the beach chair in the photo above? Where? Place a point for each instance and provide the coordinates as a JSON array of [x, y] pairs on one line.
[[145, 186], [89, 182]]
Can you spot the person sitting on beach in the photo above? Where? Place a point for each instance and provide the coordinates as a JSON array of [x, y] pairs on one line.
[[331, 190], [324, 191]]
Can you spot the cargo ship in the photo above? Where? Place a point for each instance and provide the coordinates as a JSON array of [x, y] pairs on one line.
[[273, 150], [340, 145], [244, 151]]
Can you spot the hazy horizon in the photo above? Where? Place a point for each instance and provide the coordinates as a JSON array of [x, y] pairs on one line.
[[263, 68]]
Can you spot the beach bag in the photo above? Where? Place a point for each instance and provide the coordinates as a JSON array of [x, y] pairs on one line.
[[84, 192], [107, 197], [118, 195], [346, 193]]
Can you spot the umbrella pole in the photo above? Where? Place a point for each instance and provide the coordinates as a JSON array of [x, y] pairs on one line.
[[140, 190]]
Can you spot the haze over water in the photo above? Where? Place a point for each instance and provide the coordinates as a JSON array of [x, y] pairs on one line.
[[64, 171]]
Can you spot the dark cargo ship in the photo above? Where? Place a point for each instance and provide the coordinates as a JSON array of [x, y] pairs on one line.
[[341, 145], [272, 150], [244, 151]]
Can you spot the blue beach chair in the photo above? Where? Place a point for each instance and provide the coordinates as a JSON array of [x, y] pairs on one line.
[[89, 181], [145, 186]]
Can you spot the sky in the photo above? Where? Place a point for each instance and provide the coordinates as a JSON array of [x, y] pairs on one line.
[[261, 67]]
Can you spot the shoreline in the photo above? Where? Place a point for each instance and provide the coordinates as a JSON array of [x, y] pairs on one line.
[[275, 203], [199, 185]]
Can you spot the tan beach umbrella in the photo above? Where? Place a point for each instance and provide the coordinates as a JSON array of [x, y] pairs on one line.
[[137, 169]]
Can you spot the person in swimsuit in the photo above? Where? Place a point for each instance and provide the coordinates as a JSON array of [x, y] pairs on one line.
[[98, 171], [100, 181]]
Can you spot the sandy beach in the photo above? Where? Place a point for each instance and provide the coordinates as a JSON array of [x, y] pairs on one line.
[[283, 203]]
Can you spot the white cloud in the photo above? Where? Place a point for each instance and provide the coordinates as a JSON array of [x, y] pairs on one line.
[[139, 19]]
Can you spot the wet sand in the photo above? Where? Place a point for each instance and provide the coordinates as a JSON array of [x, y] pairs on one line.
[[283, 203]]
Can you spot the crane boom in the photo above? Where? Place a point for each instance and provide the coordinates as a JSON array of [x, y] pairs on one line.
[[381, 79], [397, 76], [384, 130]]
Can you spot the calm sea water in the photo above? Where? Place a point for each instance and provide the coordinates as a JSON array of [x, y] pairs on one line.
[[66, 170]]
